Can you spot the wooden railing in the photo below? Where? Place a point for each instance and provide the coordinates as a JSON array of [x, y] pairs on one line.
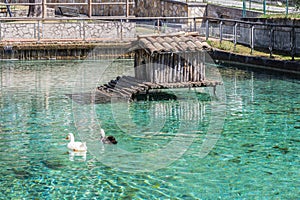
[[89, 4]]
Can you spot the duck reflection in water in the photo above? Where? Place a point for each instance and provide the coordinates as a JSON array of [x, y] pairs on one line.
[[77, 156]]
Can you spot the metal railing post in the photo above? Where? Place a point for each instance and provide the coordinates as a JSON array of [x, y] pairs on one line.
[[38, 31], [293, 43], [206, 29], [271, 41], [235, 35], [221, 31], [252, 39]]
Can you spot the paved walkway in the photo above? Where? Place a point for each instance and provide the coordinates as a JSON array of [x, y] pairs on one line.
[[254, 5]]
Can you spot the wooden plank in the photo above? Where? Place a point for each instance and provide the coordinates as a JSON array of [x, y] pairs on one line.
[[133, 79], [171, 68], [166, 67], [136, 85], [194, 66], [162, 67], [180, 66]]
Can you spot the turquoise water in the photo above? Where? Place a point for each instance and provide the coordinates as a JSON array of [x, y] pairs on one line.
[[161, 144]]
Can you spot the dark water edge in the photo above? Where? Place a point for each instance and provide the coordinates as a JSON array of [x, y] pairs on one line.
[[65, 51], [277, 66]]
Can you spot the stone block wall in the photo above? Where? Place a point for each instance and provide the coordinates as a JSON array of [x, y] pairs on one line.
[[18, 30], [113, 30]]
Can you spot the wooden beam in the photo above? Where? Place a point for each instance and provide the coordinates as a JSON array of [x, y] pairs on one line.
[[90, 10]]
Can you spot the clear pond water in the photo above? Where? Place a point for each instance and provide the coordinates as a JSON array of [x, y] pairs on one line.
[[168, 149]]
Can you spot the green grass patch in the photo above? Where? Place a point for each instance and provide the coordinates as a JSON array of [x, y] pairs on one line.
[[281, 16], [244, 50]]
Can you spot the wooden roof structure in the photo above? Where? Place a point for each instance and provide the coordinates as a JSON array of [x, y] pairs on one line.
[[179, 42]]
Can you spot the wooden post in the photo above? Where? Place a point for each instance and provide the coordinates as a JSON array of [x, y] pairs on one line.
[[183, 68], [196, 66], [198, 69], [90, 11], [189, 67], [44, 9], [151, 69], [203, 65], [166, 67], [136, 57], [195, 27], [127, 8], [175, 68], [156, 68], [178, 77]]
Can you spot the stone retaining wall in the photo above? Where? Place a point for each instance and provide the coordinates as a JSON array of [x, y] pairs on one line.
[[216, 11], [67, 30]]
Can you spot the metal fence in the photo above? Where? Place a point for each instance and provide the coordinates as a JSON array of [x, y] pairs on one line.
[[271, 36]]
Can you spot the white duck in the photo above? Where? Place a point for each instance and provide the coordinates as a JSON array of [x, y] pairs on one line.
[[76, 146]]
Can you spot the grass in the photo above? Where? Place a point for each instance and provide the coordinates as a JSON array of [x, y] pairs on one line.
[[244, 50], [281, 16]]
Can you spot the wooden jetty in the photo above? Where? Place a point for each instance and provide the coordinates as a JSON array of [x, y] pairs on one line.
[[161, 62], [128, 87]]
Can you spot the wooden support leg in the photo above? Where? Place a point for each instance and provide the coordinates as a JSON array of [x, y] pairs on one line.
[[215, 90]]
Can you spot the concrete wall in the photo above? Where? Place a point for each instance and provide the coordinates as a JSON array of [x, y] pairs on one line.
[[68, 30]]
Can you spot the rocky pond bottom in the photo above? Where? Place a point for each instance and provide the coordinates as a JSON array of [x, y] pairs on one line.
[[256, 155]]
